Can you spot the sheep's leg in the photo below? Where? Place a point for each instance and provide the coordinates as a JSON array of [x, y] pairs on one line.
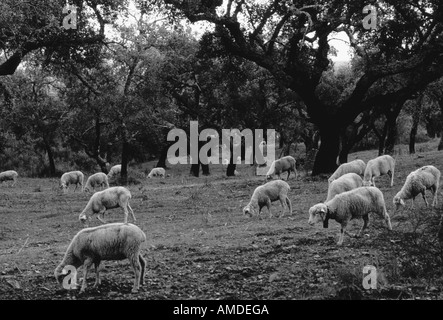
[[283, 205], [289, 173], [268, 205], [97, 274], [125, 212], [365, 225], [434, 189], [391, 175], [373, 181], [424, 198], [342, 233], [143, 265], [102, 213], [387, 219], [289, 205], [86, 265], [132, 212], [136, 265], [412, 203]]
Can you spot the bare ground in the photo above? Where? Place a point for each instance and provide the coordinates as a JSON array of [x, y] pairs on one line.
[[200, 246]]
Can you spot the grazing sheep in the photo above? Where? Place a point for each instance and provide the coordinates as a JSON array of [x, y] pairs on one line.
[[357, 166], [108, 199], [344, 183], [96, 180], [281, 165], [418, 181], [378, 167], [72, 177], [350, 205], [157, 172], [267, 193], [113, 241], [9, 175], [115, 170]]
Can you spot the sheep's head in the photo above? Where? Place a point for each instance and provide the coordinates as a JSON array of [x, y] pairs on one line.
[[62, 271], [248, 210], [58, 274], [367, 183], [317, 213], [83, 218], [398, 202]]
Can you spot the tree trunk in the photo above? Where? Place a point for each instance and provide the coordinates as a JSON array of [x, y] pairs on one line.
[[415, 121], [346, 143], [124, 163], [230, 170], [101, 164], [162, 157], [205, 169], [124, 158], [344, 153], [52, 172], [382, 139], [282, 141], [440, 145], [391, 136], [195, 168], [326, 159], [412, 135]]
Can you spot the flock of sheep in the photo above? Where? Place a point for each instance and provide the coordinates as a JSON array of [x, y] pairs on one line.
[[349, 196], [112, 241]]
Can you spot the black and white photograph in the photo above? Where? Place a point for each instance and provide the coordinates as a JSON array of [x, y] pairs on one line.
[[220, 156]]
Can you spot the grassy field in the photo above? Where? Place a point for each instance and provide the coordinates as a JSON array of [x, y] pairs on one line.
[[200, 246]]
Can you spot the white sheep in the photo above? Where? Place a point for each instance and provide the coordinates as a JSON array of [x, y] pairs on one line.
[[108, 199], [282, 165], [72, 177], [96, 180], [114, 171], [350, 205], [418, 181], [344, 183], [357, 166], [113, 241], [378, 167], [267, 193], [9, 175], [157, 172]]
